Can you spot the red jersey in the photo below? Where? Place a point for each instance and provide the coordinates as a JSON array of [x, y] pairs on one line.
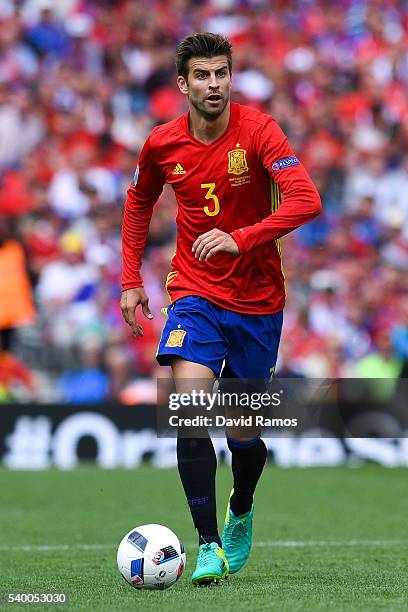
[[233, 184]]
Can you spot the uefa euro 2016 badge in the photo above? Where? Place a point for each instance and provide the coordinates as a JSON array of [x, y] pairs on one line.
[[176, 338], [286, 162], [237, 163], [136, 175]]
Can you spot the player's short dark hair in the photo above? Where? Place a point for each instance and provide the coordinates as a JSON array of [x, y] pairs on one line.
[[202, 44]]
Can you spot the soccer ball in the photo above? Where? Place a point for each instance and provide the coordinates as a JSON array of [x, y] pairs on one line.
[[151, 557]]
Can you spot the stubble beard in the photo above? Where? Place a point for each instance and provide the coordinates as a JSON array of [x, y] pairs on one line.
[[209, 114]]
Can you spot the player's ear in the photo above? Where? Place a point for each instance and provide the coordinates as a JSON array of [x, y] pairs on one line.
[[182, 85]]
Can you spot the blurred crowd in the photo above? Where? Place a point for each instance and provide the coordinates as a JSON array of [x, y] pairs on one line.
[[83, 82]]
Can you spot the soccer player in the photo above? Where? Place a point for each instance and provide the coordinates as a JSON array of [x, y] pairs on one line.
[[239, 189]]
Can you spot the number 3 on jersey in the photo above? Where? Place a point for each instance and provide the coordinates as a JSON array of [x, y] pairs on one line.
[[211, 196]]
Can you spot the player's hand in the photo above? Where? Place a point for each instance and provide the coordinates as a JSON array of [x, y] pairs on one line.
[[212, 242], [130, 300]]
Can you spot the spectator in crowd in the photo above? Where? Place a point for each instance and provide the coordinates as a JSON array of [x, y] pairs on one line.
[[88, 383], [381, 365], [66, 290], [400, 334], [16, 305], [16, 380]]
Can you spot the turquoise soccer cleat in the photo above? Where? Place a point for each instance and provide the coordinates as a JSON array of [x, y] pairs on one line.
[[212, 565], [237, 538]]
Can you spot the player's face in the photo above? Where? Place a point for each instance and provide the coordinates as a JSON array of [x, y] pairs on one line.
[[208, 85]]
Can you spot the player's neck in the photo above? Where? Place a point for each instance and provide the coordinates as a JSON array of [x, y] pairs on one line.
[[208, 131]]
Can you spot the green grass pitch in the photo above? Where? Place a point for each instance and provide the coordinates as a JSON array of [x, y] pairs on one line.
[[324, 539]]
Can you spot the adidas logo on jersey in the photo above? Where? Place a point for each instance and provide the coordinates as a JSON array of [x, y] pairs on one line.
[[178, 169]]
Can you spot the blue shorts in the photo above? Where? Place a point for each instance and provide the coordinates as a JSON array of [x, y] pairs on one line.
[[199, 331]]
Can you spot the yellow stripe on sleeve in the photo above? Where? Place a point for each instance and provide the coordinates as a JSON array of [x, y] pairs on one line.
[[275, 203]]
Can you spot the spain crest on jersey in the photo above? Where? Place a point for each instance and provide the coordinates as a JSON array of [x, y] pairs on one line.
[[237, 163], [176, 338]]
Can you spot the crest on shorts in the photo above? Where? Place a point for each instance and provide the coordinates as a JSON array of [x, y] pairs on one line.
[[176, 338], [237, 163]]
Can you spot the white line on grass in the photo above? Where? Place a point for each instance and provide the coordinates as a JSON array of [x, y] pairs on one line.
[[261, 544], [55, 547], [312, 543]]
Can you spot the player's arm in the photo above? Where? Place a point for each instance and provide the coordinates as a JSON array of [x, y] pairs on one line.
[[142, 195], [301, 201]]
